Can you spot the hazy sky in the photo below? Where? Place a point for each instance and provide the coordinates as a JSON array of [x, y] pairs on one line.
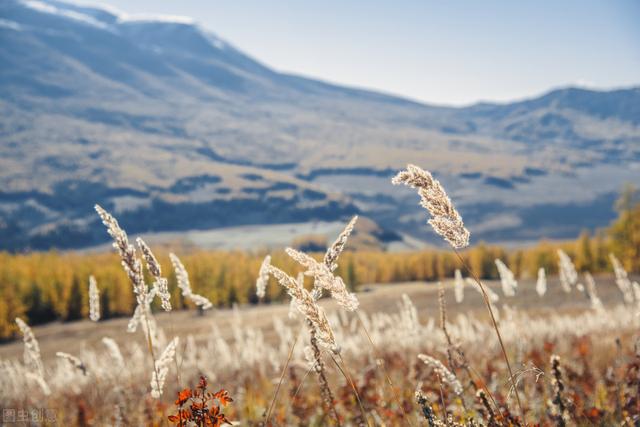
[[446, 52]]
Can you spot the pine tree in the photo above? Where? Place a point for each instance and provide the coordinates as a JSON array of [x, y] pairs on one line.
[[75, 303]]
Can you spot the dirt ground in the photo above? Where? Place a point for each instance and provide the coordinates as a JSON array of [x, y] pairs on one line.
[[73, 336]]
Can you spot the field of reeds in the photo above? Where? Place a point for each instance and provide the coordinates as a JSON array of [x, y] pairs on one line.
[[544, 350]]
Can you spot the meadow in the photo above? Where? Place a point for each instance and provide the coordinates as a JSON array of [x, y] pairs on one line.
[[533, 340]]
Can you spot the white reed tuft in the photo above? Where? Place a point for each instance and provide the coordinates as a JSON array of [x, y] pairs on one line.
[[183, 283], [324, 279], [446, 376], [445, 219], [308, 307], [130, 261], [161, 284], [293, 306], [162, 368], [458, 286], [507, 279], [263, 277], [493, 297], [40, 381], [32, 357], [622, 279], [94, 300], [568, 273], [142, 313], [334, 251], [541, 283], [596, 303], [73, 361], [114, 351]]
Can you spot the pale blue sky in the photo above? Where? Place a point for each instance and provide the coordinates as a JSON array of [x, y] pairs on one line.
[[445, 52]]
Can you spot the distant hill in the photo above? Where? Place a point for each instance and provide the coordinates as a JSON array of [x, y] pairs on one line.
[[173, 128]]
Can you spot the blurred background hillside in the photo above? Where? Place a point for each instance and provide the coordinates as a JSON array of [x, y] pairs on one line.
[[175, 130]]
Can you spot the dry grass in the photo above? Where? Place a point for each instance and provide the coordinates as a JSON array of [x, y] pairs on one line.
[[257, 341], [569, 350]]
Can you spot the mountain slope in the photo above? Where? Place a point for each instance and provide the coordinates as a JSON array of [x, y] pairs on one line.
[[174, 128]]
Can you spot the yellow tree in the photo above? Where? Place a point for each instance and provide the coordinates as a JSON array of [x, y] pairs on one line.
[[625, 231]]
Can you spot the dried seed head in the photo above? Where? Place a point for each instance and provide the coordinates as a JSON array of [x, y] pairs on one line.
[[458, 286], [32, 357], [74, 361], [622, 280], [308, 307], [445, 374], [114, 351], [507, 279], [445, 219], [568, 273], [334, 251], [162, 368], [185, 286], [94, 300], [130, 262], [263, 277], [161, 285], [541, 283], [324, 279]]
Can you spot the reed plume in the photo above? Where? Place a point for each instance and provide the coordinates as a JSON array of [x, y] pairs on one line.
[[182, 276], [567, 271], [592, 293], [162, 368], [446, 376], [493, 297], [161, 284], [73, 361], [142, 314], [445, 219], [541, 283], [263, 277], [46, 390], [133, 267], [507, 279], [94, 300], [447, 222], [324, 279], [308, 307], [334, 251], [622, 279], [114, 351], [458, 286], [130, 262], [32, 357]]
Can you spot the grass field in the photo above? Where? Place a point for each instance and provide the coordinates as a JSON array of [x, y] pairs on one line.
[[244, 349], [74, 336], [555, 351]]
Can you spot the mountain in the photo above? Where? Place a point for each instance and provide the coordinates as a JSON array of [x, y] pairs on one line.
[[171, 127]]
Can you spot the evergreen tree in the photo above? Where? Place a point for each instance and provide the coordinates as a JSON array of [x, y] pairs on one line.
[[75, 302]]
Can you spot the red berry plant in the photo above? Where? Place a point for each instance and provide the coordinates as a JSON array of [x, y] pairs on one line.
[[200, 407]]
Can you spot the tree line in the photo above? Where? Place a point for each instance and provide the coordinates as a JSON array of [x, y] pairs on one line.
[[51, 286]]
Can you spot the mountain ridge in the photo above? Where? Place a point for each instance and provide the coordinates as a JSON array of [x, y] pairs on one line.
[[126, 117]]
